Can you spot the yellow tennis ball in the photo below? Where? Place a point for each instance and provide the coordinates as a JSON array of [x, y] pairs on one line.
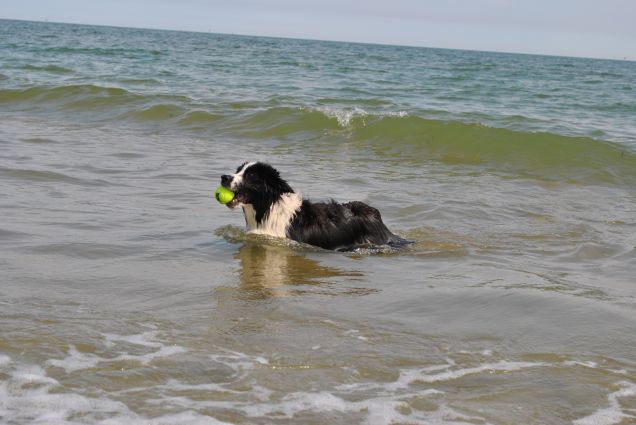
[[223, 195]]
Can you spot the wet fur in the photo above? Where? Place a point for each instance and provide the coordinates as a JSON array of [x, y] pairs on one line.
[[271, 207]]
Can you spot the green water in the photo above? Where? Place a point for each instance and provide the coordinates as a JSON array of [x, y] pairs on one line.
[[128, 295]]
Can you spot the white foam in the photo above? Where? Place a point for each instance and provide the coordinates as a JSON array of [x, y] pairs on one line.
[[409, 377], [593, 365], [26, 398], [376, 403], [260, 393], [239, 362], [501, 366], [612, 414], [398, 114], [346, 116], [435, 368], [44, 400], [183, 418], [30, 396], [588, 364], [164, 351], [4, 360], [146, 339], [76, 360], [378, 410], [32, 376]]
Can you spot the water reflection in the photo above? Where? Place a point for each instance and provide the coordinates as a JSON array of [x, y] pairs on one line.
[[275, 271]]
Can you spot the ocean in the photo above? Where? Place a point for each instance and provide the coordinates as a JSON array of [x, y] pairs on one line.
[[128, 295]]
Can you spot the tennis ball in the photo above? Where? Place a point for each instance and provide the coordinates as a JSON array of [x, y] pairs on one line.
[[223, 195]]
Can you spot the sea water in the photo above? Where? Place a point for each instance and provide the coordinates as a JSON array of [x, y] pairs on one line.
[[128, 295]]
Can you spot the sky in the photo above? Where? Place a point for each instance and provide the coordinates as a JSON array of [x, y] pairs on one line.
[[588, 28]]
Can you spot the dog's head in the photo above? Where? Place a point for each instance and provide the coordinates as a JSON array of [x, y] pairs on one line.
[[255, 183]]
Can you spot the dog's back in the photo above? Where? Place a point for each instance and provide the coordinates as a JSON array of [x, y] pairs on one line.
[[340, 227]]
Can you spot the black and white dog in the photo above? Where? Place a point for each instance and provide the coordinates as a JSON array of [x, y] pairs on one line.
[[271, 207]]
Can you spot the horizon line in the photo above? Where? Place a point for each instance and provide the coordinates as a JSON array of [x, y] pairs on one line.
[[46, 21]]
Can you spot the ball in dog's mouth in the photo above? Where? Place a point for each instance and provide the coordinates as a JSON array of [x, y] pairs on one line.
[[238, 200], [223, 195]]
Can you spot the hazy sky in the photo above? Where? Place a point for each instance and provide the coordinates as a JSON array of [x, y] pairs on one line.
[[595, 28]]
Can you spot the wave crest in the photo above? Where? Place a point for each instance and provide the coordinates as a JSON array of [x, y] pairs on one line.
[[389, 134]]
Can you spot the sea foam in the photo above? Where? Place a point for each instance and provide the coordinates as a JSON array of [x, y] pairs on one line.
[[612, 414], [76, 360]]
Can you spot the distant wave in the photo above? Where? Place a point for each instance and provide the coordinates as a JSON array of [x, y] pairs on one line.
[[391, 134], [86, 92], [93, 102], [53, 69], [101, 51]]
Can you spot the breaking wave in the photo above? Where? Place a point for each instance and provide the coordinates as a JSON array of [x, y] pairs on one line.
[[401, 135]]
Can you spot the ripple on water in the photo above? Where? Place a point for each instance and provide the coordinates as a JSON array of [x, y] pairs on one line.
[[87, 250], [45, 176]]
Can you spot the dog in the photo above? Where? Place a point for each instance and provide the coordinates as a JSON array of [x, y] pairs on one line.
[[271, 207]]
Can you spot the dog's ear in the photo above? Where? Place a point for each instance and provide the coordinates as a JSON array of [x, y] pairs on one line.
[[274, 184], [240, 167]]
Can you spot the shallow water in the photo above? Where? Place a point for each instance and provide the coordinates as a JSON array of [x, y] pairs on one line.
[[130, 296]]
